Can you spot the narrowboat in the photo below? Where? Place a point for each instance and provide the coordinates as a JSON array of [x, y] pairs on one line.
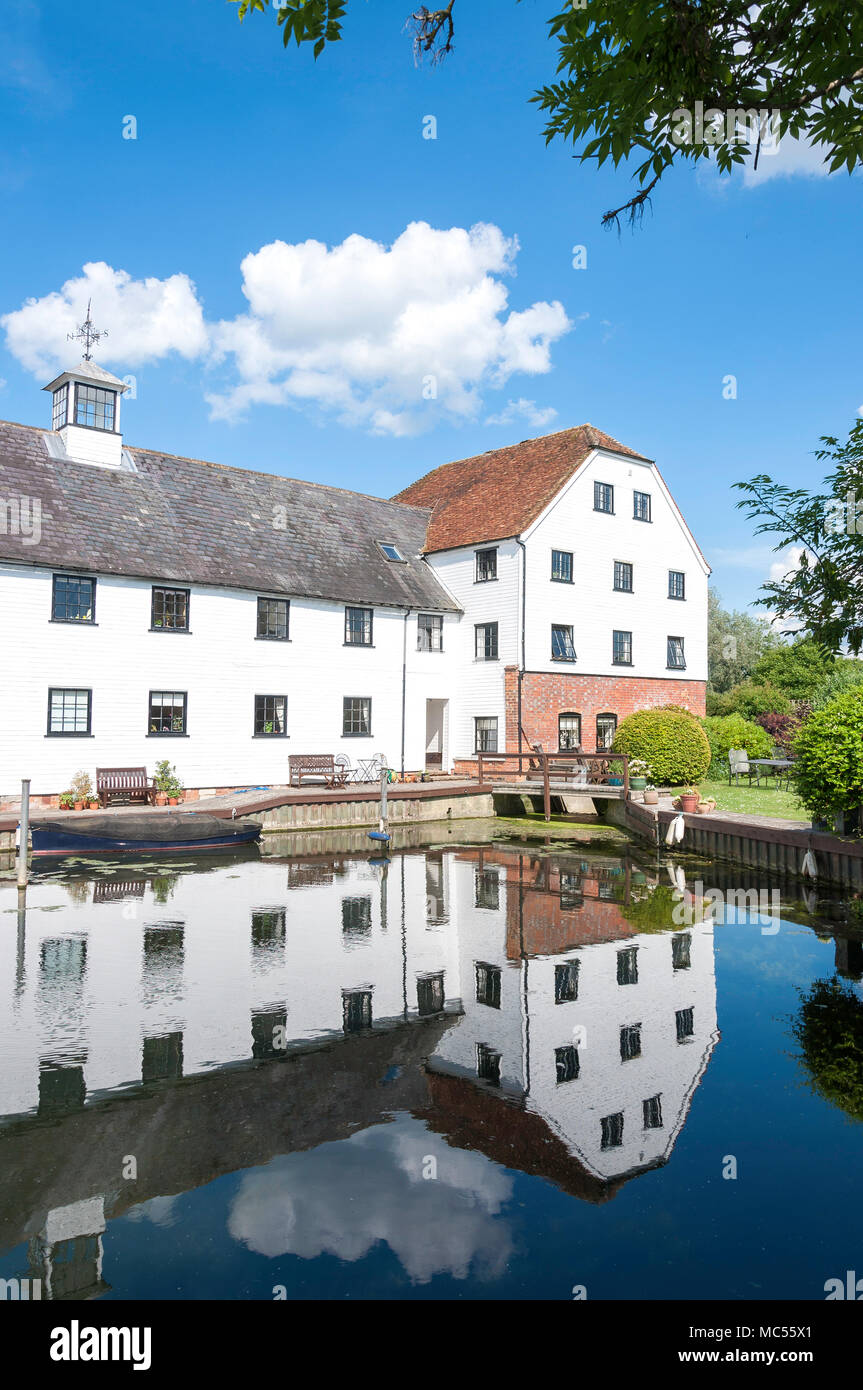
[[139, 833]]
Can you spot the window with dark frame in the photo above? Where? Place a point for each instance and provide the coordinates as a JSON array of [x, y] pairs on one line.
[[485, 637], [271, 716], [356, 1010], [488, 985], [676, 584], [94, 407], [611, 1128], [623, 576], [621, 652], [603, 497], [680, 951], [69, 711], [273, 619], [356, 717], [652, 1111], [486, 889], [167, 712], [606, 728], [561, 566], [488, 1064], [684, 1020], [566, 1063], [627, 966], [568, 732], [485, 734], [566, 982], [391, 552], [641, 506], [60, 407], [358, 627], [430, 995], [562, 644], [170, 609], [73, 599], [571, 892], [630, 1042], [429, 632], [486, 565], [676, 657]]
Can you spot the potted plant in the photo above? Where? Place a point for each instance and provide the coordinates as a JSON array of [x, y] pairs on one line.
[[651, 796], [689, 799], [66, 801], [81, 790], [165, 780], [175, 791], [639, 771], [94, 803]]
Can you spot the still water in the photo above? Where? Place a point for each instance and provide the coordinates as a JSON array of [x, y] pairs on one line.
[[494, 1067]]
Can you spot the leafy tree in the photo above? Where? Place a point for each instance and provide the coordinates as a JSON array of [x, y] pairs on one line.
[[829, 1030], [823, 595], [736, 643], [754, 698], [632, 76], [828, 771], [844, 676], [797, 668]]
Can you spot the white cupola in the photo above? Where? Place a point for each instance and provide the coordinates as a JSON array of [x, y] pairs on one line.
[[86, 414]]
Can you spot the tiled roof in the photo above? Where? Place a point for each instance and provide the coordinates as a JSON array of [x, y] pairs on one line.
[[500, 493], [193, 522]]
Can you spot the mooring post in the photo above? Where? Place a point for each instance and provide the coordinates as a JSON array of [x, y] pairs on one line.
[[23, 834], [385, 777], [546, 787]]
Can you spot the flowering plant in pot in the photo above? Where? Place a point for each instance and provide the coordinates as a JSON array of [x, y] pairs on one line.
[[166, 783], [689, 799], [81, 790], [66, 801], [651, 795]]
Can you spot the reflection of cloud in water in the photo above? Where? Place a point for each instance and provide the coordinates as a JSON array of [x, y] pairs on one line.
[[341, 1199], [161, 1211]]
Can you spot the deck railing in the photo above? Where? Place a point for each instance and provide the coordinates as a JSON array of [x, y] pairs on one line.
[[549, 767]]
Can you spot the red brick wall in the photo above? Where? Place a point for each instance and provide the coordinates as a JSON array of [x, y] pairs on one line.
[[545, 695]]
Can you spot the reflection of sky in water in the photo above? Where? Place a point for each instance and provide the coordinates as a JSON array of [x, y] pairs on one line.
[[341, 1199]]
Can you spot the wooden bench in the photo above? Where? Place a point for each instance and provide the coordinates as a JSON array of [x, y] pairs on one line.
[[318, 767], [123, 784]]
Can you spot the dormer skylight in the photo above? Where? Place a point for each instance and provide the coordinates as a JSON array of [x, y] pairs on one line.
[[391, 552], [95, 407]]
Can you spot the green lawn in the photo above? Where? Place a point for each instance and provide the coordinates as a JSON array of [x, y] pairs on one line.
[[759, 801]]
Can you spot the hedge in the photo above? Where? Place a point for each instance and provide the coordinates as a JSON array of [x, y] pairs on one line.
[[733, 731], [671, 742], [829, 769]]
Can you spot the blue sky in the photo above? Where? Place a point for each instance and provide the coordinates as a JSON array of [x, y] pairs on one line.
[[241, 145]]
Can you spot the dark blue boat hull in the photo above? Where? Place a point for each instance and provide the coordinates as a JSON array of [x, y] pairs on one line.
[[182, 835]]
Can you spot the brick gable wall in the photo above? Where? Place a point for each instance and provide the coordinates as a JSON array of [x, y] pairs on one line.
[[545, 695]]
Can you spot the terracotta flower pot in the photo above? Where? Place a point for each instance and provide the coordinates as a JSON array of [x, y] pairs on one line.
[[79, 805], [651, 797], [94, 805], [172, 800], [689, 804], [161, 799]]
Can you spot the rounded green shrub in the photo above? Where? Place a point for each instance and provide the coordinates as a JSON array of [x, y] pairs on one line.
[[829, 767], [671, 742], [752, 699], [846, 676], [733, 731]]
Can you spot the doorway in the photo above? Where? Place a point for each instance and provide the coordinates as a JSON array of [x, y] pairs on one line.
[[436, 720]]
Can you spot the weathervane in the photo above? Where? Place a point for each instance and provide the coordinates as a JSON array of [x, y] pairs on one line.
[[88, 334]]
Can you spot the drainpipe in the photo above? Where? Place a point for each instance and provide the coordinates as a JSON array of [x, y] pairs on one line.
[[404, 684], [520, 542]]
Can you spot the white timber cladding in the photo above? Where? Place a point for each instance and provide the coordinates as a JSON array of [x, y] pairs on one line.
[[481, 682], [221, 666], [590, 605]]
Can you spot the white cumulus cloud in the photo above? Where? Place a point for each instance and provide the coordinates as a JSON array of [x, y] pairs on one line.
[[388, 337], [145, 320], [535, 415], [391, 338]]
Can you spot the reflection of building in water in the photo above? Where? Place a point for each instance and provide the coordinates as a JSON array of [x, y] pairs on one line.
[[600, 1032], [503, 1000]]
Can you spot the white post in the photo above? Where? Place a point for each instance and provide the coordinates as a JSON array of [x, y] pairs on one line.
[[385, 777], [23, 834]]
